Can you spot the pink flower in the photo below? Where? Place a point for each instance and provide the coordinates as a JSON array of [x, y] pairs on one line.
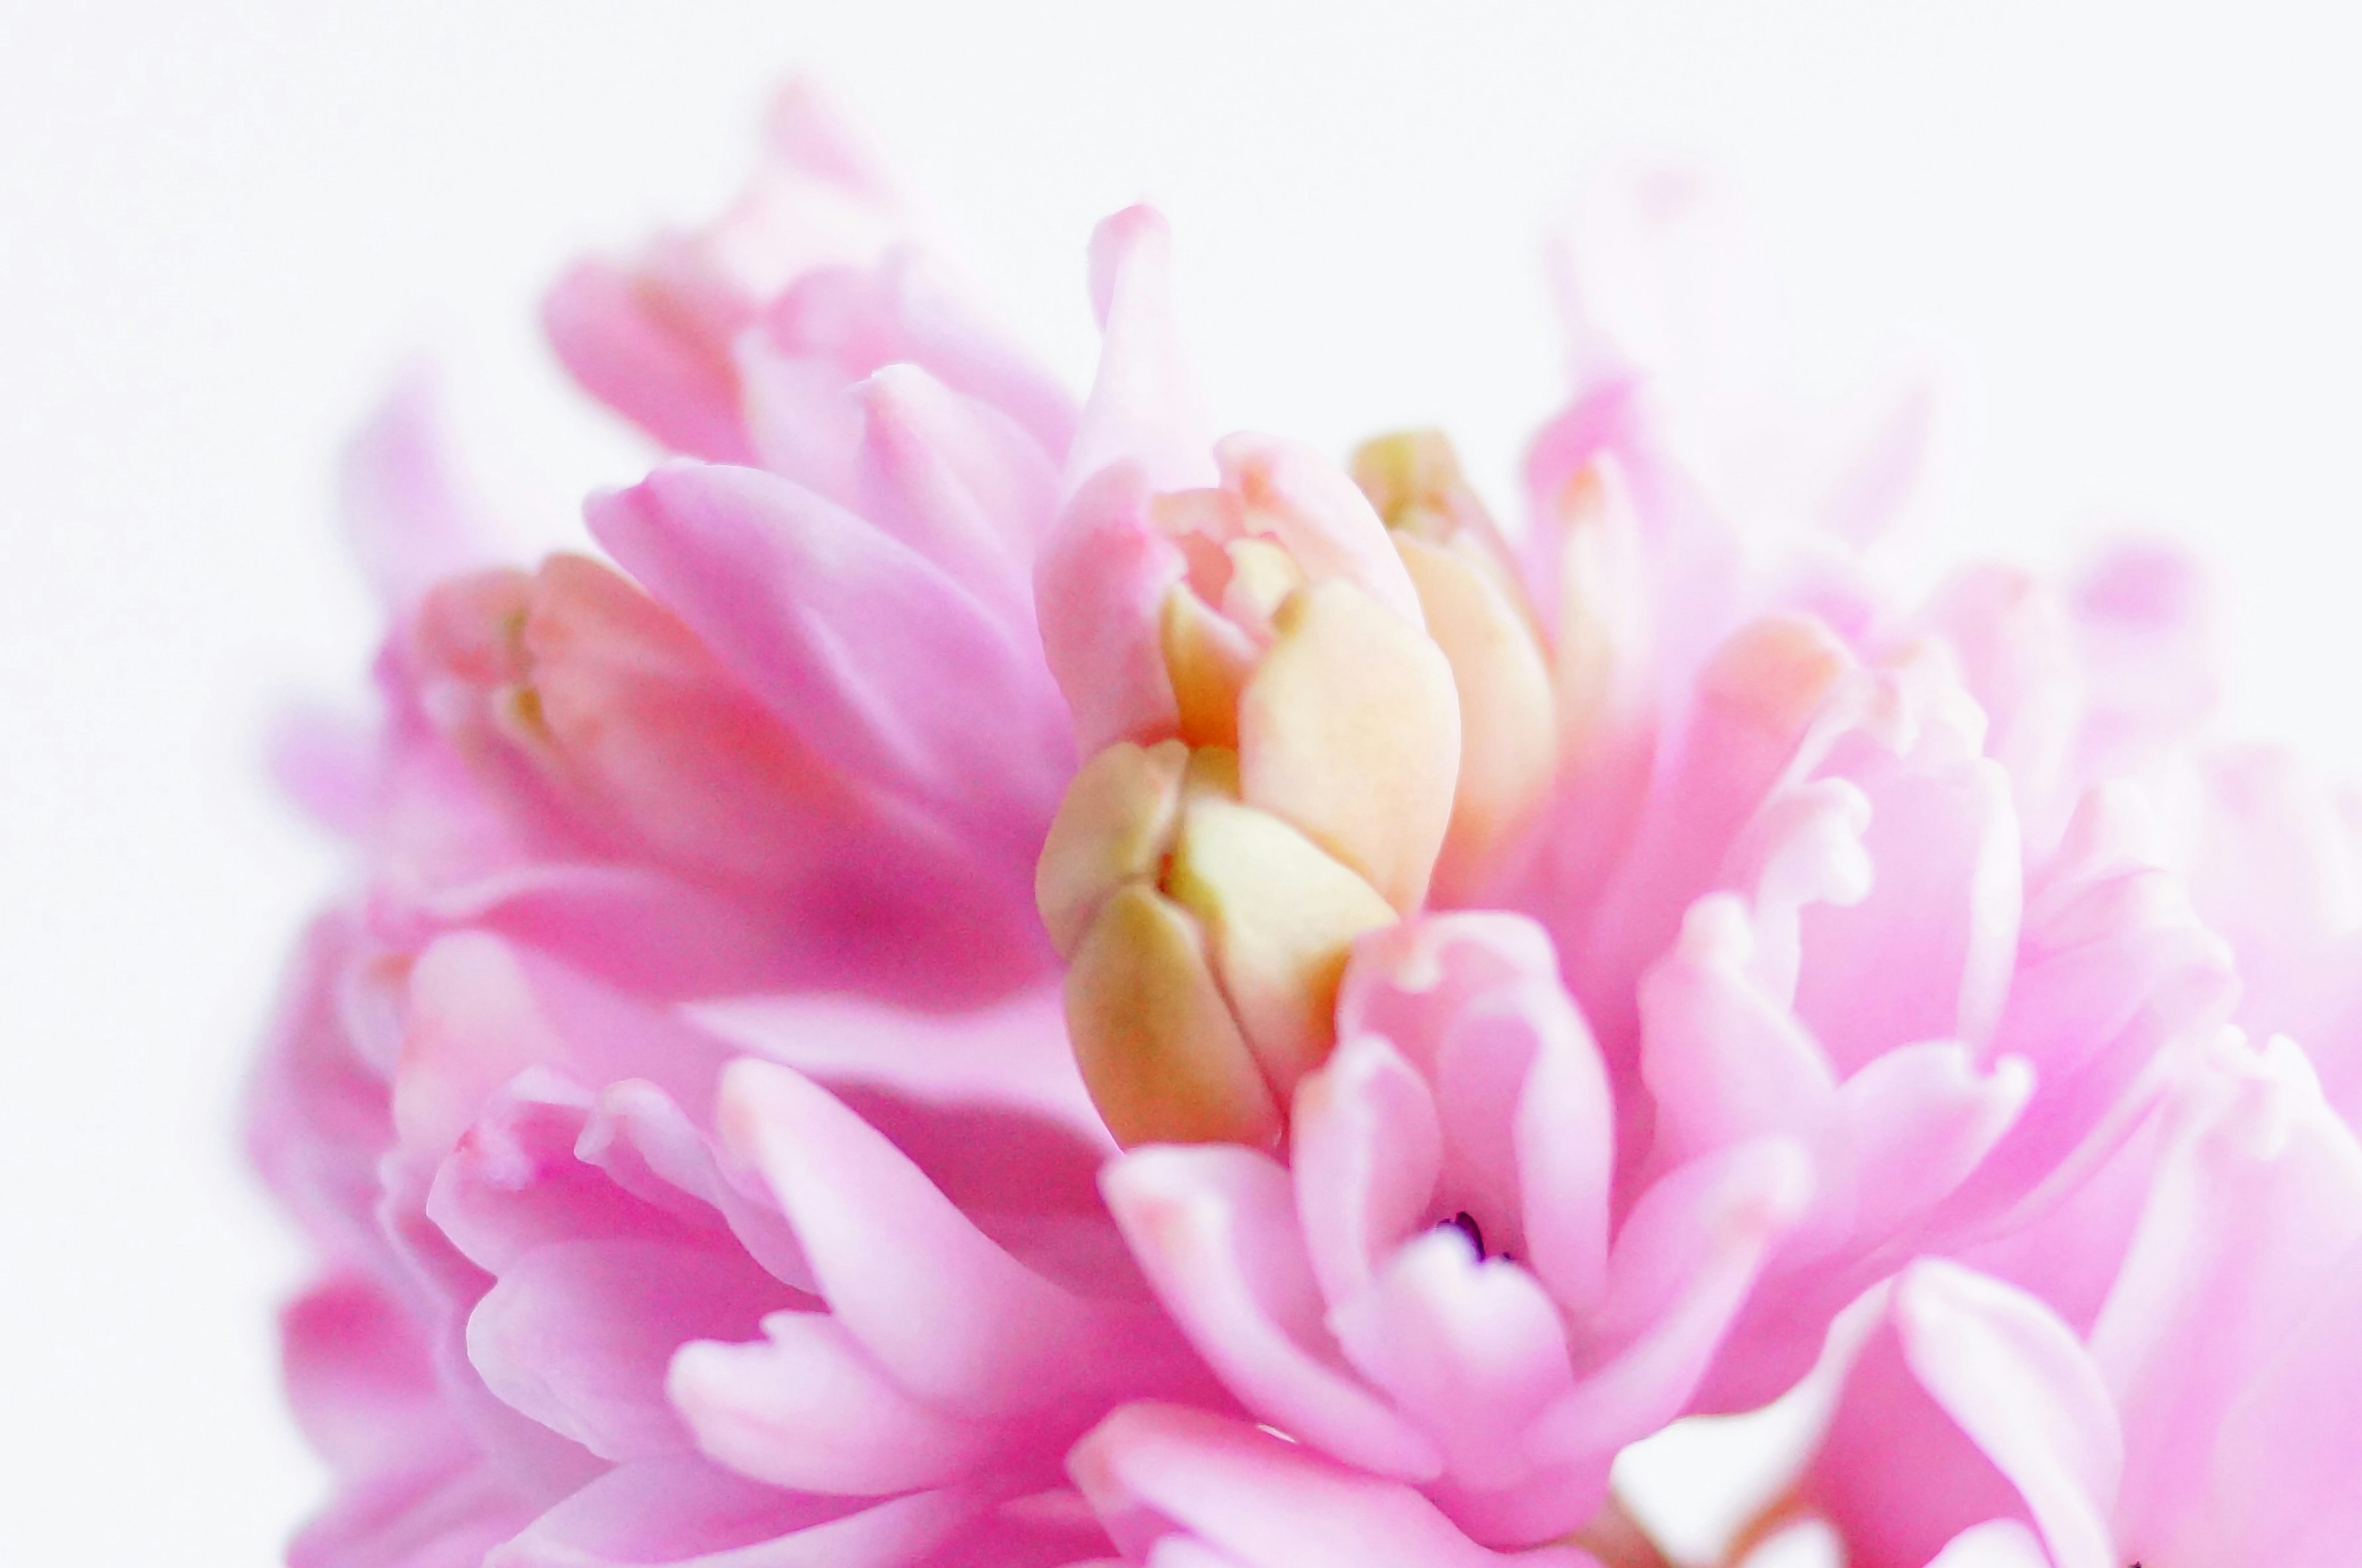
[[1007, 982], [2210, 1413], [1436, 1287]]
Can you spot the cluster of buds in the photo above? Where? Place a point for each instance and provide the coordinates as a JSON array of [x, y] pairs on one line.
[[1339, 707]]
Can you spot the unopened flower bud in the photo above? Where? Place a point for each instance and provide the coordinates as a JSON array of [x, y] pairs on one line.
[[576, 681], [1205, 940], [1478, 615]]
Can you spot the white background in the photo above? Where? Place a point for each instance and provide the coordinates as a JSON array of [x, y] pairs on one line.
[[224, 227]]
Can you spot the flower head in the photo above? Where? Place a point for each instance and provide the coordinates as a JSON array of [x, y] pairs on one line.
[[981, 978]]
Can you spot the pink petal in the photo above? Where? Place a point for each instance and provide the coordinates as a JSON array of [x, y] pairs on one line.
[[406, 514], [1724, 1063], [654, 367], [1894, 1473], [2246, 1223], [1365, 1149], [847, 635], [944, 1310], [1918, 1120], [683, 1511], [1214, 1229], [807, 1407], [1942, 910], [2020, 1385], [1682, 1267], [577, 1335], [1262, 1502], [1101, 585], [860, 319], [2001, 1543], [953, 479], [1473, 1351], [1475, 999], [2283, 1486], [1142, 408]]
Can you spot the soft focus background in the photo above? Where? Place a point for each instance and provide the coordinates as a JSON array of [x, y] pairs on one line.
[[224, 228]]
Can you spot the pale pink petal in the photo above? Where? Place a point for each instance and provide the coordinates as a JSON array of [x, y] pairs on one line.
[[1100, 583], [861, 319], [2283, 1483], [1918, 1120], [1474, 1000], [408, 515], [2000, 1543], [1682, 1267], [1215, 1230], [952, 479], [2246, 1221], [806, 1407], [1473, 1351], [1366, 1150], [2019, 1384], [657, 366], [1943, 907], [1724, 1062], [443, 1515], [1143, 409]]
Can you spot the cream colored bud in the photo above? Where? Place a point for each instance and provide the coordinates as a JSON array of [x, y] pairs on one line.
[[1280, 916], [1508, 742], [1414, 482], [1157, 1047], [1349, 730], [1115, 827]]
